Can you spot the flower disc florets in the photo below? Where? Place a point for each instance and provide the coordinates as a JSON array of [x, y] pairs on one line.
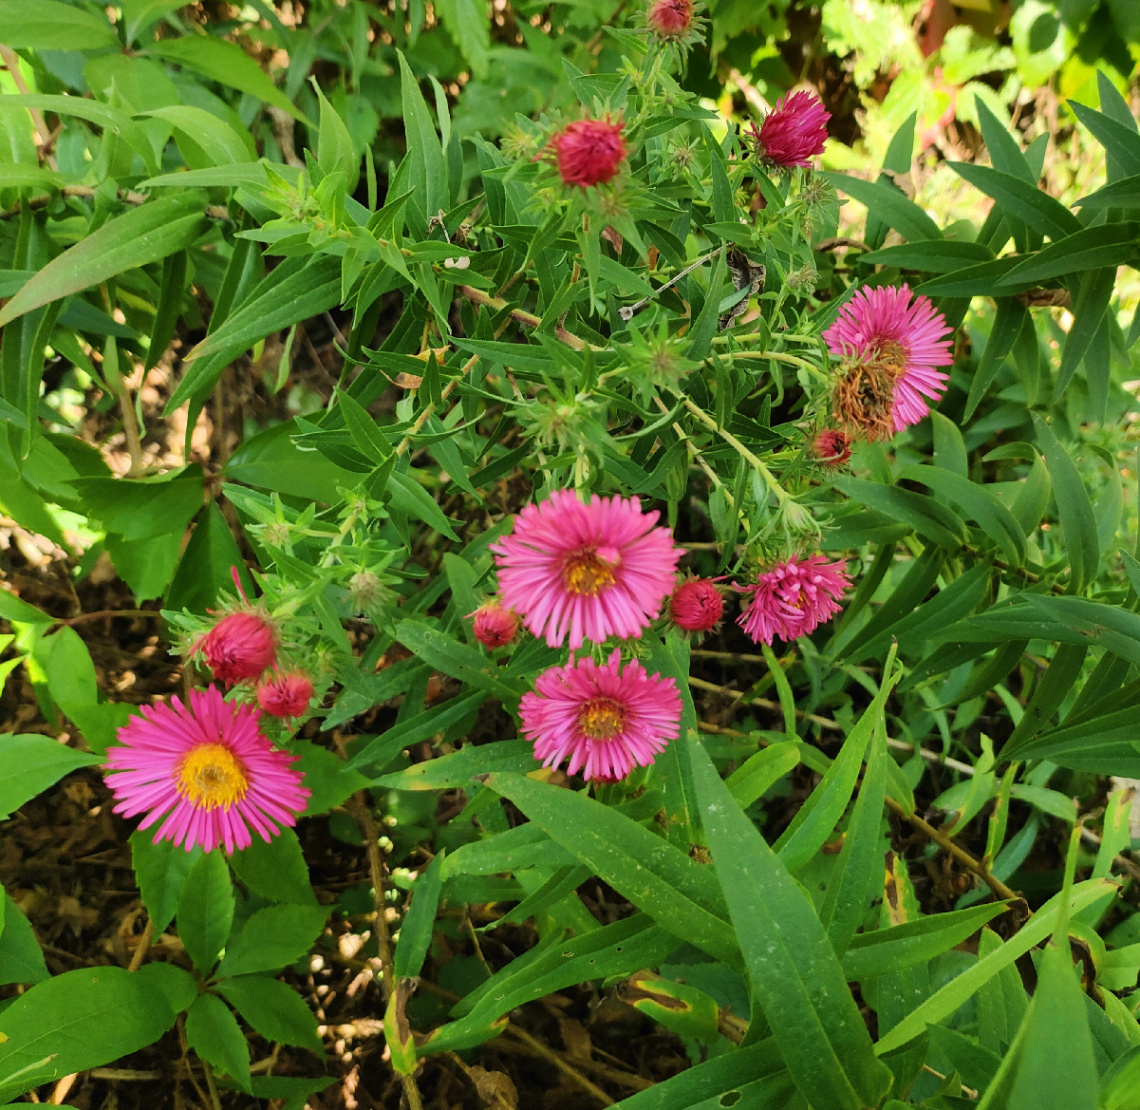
[[793, 133]]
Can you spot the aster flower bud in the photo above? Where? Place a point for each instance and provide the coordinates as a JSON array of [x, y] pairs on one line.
[[696, 605], [831, 448], [670, 20], [794, 132], [588, 151], [285, 695], [241, 645], [494, 626]]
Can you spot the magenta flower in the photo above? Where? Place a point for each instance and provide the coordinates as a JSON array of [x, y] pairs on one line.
[[241, 645], [890, 348], [207, 770], [696, 605], [587, 571], [793, 598], [670, 20], [493, 625], [794, 132], [588, 151], [285, 695], [606, 721], [831, 449]]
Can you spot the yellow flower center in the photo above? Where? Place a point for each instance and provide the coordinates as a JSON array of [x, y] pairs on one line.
[[586, 572], [211, 776], [601, 719]]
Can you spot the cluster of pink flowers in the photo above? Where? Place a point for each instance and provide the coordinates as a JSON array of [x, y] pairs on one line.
[[205, 769], [574, 572]]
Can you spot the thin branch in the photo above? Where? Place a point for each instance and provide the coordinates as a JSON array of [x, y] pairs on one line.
[[552, 1057], [960, 854]]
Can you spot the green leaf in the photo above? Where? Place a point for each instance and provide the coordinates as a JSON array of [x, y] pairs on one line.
[[817, 817], [656, 877], [981, 280], [796, 978], [458, 768], [1020, 198], [1007, 325], [1077, 519], [272, 938], [945, 1001], [76, 1021], [335, 153], [295, 290], [239, 173], [213, 1033], [927, 516], [226, 63], [416, 928], [883, 951], [136, 238], [50, 25], [413, 729], [1051, 1065], [276, 869], [932, 256], [204, 569], [1124, 193], [206, 909], [406, 495], [174, 983], [216, 138], [976, 502], [160, 871], [114, 120], [30, 763], [21, 958], [428, 178], [757, 774], [1091, 305], [1120, 141], [274, 1009], [889, 206], [467, 23], [70, 672], [1091, 249], [458, 660], [329, 778]]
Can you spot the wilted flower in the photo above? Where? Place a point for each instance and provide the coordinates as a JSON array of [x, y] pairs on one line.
[[589, 151], [240, 646], [605, 720], [890, 348], [794, 132], [208, 770], [586, 571], [494, 626], [831, 448], [670, 20], [696, 605], [365, 589], [285, 695], [793, 598]]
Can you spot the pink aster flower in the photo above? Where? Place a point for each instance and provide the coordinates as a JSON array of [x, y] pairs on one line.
[[890, 348], [493, 625], [241, 645], [586, 571], [606, 721], [696, 605], [793, 598], [670, 20], [588, 151], [794, 132], [285, 695], [207, 770]]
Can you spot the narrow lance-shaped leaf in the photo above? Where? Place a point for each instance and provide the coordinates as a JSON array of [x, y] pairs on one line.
[[796, 978]]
